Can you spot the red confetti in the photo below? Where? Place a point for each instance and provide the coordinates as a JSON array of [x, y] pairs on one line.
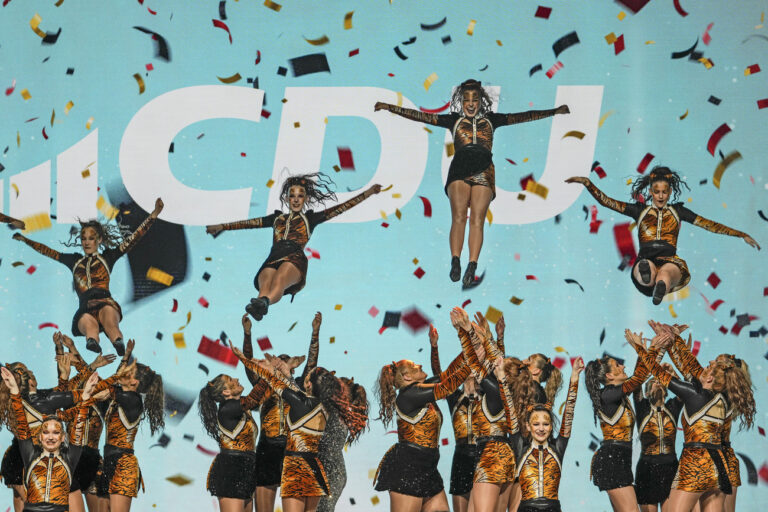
[[761, 430], [265, 113], [696, 348], [313, 253], [419, 272], [754, 68], [345, 158], [203, 302], [599, 171], [220, 24], [624, 243], [716, 304], [264, 343], [217, 350], [644, 163], [444, 441], [594, 224], [390, 74], [354, 52], [524, 181], [10, 90], [31, 269], [175, 306], [427, 206], [385, 224], [558, 362], [45, 136], [464, 304], [763, 472], [206, 451], [618, 45], [5, 2], [706, 38], [557, 66], [258, 57], [761, 104], [373, 311], [382, 329], [435, 110], [531, 277], [415, 320], [153, 13], [714, 139], [543, 12], [242, 154], [713, 280], [510, 161], [47, 324], [679, 9], [723, 329], [149, 67]]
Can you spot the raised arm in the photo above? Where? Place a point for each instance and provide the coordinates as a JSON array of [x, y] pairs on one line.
[[434, 353], [248, 348], [570, 400], [637, 378], [500, 327], [131, 240], [446, 120], [604, 200], [15, 223], [333, 211], [678, 349], [419, 395], [524, 117], [255, 397], [687, 391], [506, 397], [713, 226], [41, 248], [314, 346], [255, 223]]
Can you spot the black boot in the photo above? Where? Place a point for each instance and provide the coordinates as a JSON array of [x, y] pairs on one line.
[[119, 346], [93, 345], [659, 291], [644, 268], [258, 308], [455, 269], [469, 274]]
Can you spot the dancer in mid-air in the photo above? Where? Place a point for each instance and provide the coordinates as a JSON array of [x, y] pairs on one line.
[[285, 269], [471, 182], [98, 311], [658, 269]]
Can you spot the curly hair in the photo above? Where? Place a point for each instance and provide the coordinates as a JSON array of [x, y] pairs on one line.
[[390, 379], [594, 379], [549, 374], [522, 386], [641, 186], [207, 405], [328, 389], [110, 235], [471, 85], [23, 375], [316, 185], [358, 399], [151, 385], [728, 378]]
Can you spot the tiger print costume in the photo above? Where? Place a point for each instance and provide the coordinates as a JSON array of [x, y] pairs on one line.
[[47, 476], [657, 232], [92, 273], [290, 234], [734, 472], [472, 140]]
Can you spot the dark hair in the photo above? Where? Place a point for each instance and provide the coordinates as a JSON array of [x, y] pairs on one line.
[[151, 385], [471, 85], [358, 398], [22, 375], [316, 185], [642, 185], [390, 379], [549, 374], [111, 235], [327, 388], [594, 379], [207, 405]]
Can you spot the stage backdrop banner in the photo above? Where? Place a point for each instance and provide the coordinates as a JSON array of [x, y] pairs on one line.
[[211, 105]]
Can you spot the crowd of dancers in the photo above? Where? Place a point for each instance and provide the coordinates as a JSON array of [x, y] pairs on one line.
[[509, 451]]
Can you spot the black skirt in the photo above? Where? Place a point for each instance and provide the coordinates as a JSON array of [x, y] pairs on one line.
[[12, 467], [539, 505], [612, 466], [286, 251], [86, 469], [91, 302], [653, 478], [270, 452], [411, 470], [468, 161], [233, 475], [463, 468]]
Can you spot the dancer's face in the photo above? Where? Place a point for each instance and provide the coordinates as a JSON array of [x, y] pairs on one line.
[[89, 240], [414, 372], [51, 435], [470, 102], [540, 426], [232, 388], [296, 198], [618, 375], [660, 193], [129, 382]]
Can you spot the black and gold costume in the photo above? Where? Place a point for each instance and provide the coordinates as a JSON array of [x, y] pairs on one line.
[[233, 470], [656, 468], [290, 234], [472, 140], [92, 273], [703, 466], [657, 232], [410, 466], [612, 462], [47, 476]]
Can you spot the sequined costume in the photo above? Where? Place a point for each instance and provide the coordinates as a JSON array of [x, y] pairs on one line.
[[410, 466], [703, 466], [612, 463], [92, 273], [290, 234], [233, 471], [47, 475], [331, 454], [472, 140], [657, 232], [656, 468]]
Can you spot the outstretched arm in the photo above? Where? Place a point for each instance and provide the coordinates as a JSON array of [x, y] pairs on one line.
[[434, 353], [131, 240], [570, 401], [524, 117], [248, 348], [715, 227], [41, 248], [15, 223], [506, 397], [333, 211], [604, 200], [255, 223], [314, 346], [446, 121]]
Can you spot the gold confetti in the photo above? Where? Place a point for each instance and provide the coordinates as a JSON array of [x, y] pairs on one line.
[[560, 349], [53, 115], [178, 340], [383, 214], [684, 115], [604, 117], [537, 188], [372, 473], [296, 124], [399, 99], [337, 307], [449, 149], [398, 214], [158, 276], [707, 63], [18, 138], [574, 133], [397, 195], [678, 295], [35, 24], [492, 314], [672, 311], [179, 479], [37, 222], [85, 173], [516, 301], [650, 42], [109, 211], [471, 27], [348, 20], [621, 16], [229, 79], [562, 405], [139, 81], [415, 261], [67, 108], [388, 188], [610, 38], [337, 168], [489, 216], [499, 43], [525, 159], [629, 181], [189, 319], [723, 165], [270, 183], [521, 197], [427, 129], [25, 94], [375, 500], [16, 188], [320, 41], [332, 340], [272, 5], [89, 123], [429, 81]]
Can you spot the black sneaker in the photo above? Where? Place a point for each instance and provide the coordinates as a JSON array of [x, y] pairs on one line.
[[455, 274], [258, 308], [93, 345], [119, 346], [645, 271], [469, 274], [659, 291]]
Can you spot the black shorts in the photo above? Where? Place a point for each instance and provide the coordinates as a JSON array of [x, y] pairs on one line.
[[463, 468], [411, 470], [653, 478], [12, 467], [233, 475], [270, 452], [612, 467], [86, 470]]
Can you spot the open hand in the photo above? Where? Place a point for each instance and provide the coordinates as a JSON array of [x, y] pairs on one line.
[[380, 105], [751, 241], [579, 179], [563, 109], [577, 366], [316, 321], [460, 319], [214, 229], [9, 380], [432, 335], [374, 189], [246, 324], [158, 207]]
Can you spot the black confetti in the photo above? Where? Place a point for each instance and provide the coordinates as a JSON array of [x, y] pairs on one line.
[[483, 68], [223, 9], [206, 276], [70, 71], [557, 219], [223, 337], [310, 63], [703, 182], [534, 69], [282, 71], [162, 50], [573, 281], [434, 26], [602, 336], [163, 441], [714, 100], [565, 42], [751, 471], [409, 41], [392, 319], [685, 53], [51, 38], [618, 360], [447, 39], [201, 366], [189, 437], [170, 149], [762, 215], [159, 335], [399, 53]]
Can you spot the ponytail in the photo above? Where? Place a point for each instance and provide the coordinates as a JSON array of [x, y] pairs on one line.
[[549, 374], [385, 392], [594, 379], [739, 392], [151, 384], [207, 405], [327, 387]]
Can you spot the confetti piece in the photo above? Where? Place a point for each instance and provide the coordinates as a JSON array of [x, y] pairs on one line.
[[427, 206], [311, 63], [354, 52], [714, 100], [471, 27], [685, 53], [162, 49], [337, 307], [272, 5], [158, 276], [537, 188], [706, 38], [696, 347], [516, 300], [230, 79], [17, 264], [178, 340], [206, 451], [345, 158], [415, 320], [37, 222], [574, 133], [672, 311], [204, 368], [25, 94], [270, 183], [387, 188], [109, 211], [320, 41], [679, 8], [258, 58], [751, 471], [429, 81], [34, 23], [223, 9], [218, 350], [398, 214], [598, 170], [48, 324], [762, 215], [220, 24], [419, 272], [644, 162], [761, 104], [707, 62], [45, 136], [723, 165], [594, 224], [565, 42], [89, 123], [713, 280], [433, 26], [492, 314], [554, 69], [179, 480], [189, 319], [684, 115], [531, 277], [534, 69], [15, 188], [203, 302], [348, 20], [446, 39], [618, 45], [489, 216], [373, 311], [175, 306], [751, 70], [264, 343], [140, 81], [573, 281], [602, 336], [621, 17], [543, 12], [375, 500], [399, 53], [10, 89], [436, 110], [610, 38]]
